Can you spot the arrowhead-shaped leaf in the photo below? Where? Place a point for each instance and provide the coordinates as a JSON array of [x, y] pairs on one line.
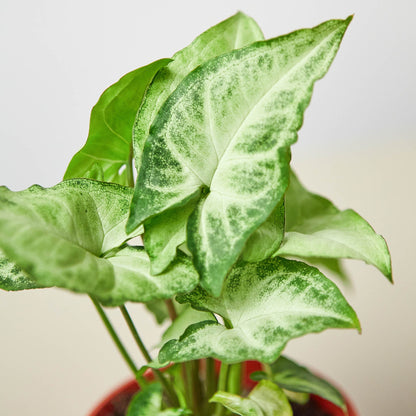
[[165, 232], [135, 283], [291, 376], [12, 276], [237, 31], [57, 235], [316, 228], [108, 147], [267, 304], [266, 399], [70, 236], [228, 128]]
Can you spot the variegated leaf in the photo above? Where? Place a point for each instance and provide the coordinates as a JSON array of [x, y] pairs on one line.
[[58, 235], [237, 31], [108, 147], [267, 304], [266, 399], [316, 228], [264, 242], [227, 128], [13, 278], [291, 376], [164, 233], [134, 281], [167, 231], [70, 236]]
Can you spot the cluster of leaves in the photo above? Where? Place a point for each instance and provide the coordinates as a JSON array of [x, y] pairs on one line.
[[220, 211]]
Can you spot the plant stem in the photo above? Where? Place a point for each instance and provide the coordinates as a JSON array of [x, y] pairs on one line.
[[196, 387], [190, 380], [171, 309], [135, 334], [234, 379], [129, 168], [114, 336], [210, 383], [210, 377], [222, 385], [169, 389]]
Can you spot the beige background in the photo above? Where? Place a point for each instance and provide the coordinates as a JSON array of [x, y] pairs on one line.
[[357, 147]]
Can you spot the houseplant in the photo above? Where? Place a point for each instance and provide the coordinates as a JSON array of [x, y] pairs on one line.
[[221, 214]]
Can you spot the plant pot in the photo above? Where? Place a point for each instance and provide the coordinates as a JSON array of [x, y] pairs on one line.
[[115, 404]]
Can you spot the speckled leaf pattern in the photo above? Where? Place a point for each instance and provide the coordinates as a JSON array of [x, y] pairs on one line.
[[237, 31], [267, 303], [291, 376], [316, 228], [148, 402], [134, 282], [108, 147], [58, 234], [69, 236], [13, 278], [266, 399], [164, 233], [264, 242], [227, 128]]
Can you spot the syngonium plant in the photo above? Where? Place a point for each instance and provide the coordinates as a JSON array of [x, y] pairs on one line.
[[230, 235]]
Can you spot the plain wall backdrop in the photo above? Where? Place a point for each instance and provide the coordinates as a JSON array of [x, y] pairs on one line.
[[357, 147]]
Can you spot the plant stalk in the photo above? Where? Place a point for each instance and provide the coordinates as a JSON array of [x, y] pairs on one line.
[[234, 379], [169, 389], [129, 168], [187, 370], [114, 336], [196, 388], [210, 384], [222, 386], [171, 309], [135, 334]]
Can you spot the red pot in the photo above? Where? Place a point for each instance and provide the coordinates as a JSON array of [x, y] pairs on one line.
[[119, 398]]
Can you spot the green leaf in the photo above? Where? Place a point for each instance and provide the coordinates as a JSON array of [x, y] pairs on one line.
[[13, 278], [237, 31], [187, 317], [264, 242], [57, 235], [267, 304], [291, 376], [108, 147], [164, 233], [316, 228], [148, 402], [228, 128], [266, 399], [134, 281], [70, 236]]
